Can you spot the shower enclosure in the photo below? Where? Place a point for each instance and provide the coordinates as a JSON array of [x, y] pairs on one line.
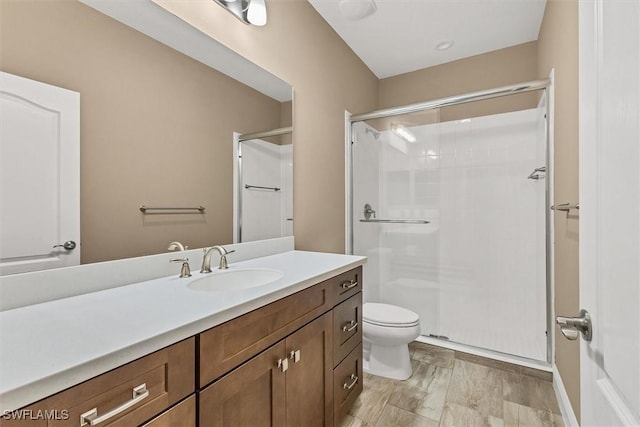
[[263, 182], [452, 212]]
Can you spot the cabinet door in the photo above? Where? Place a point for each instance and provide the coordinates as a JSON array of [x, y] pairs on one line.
[[226, 346], [252, 395], [309, 377]]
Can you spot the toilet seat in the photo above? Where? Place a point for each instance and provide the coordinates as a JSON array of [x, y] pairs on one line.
[[389, 315]]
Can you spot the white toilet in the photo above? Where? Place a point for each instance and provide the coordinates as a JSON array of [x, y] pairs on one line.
[[387, 331]]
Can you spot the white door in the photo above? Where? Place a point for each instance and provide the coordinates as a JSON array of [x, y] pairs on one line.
[[610, 210], [39, 176]]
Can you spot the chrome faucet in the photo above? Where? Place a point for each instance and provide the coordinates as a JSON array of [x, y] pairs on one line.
[[206, 260], [176, 246]]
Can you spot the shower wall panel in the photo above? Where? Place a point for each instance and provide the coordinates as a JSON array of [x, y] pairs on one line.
[[476, 273], [266, 213], [491, 250]]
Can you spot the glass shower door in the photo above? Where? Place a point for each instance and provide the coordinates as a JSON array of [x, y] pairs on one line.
[[395, 217], [452, 218]]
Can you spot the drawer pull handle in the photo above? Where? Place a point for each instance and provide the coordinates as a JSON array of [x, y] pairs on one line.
[[349, 284], [91, 417], [354, 381], [350, 326]]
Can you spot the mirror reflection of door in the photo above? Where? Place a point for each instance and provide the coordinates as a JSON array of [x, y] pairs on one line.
[[264, 186], [40, 178]]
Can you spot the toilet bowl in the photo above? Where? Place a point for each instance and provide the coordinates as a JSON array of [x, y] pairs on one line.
[[387, 331]]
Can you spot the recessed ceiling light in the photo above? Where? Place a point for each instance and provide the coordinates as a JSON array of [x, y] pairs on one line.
[[444, 45], [355, 10]]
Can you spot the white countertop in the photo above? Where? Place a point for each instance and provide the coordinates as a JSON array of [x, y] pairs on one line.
[[47, 347]]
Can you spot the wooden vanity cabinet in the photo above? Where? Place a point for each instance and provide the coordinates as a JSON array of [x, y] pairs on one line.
[[289, 384], [295, 355], [226, 346], [295, 362]]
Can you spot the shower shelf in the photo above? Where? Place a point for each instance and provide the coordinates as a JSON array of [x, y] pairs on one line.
[[397, 221]]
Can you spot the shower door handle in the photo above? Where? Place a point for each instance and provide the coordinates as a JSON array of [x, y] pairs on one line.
[[571, 327]]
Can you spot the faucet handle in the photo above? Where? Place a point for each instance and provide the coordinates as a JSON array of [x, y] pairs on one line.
[[185, 270], [223, 265]]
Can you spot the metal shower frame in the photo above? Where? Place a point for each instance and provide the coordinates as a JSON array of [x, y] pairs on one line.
[[530, 86]]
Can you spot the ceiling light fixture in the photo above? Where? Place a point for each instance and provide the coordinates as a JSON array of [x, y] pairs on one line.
[[252, 12], [257, 13], [403, 133], [356, 10], [444, 45]]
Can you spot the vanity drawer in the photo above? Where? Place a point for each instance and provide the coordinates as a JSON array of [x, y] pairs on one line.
[[347, 327], [347, 384], [226, 346], [181, 415], [346, 285], [142, 389]]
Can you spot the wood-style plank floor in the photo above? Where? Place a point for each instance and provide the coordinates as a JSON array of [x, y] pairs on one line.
[[450, 388]]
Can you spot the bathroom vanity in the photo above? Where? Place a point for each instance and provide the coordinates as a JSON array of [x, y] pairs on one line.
[[284, 353]]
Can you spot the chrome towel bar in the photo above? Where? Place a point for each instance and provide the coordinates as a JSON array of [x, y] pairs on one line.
[[144, 209], [397, 221], [249, 187], [565, 207]]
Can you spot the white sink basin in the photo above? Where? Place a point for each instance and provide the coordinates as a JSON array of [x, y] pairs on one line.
[[230, 280]]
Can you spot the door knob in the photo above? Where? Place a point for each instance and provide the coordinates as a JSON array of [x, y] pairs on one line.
[[68, 245], [572, 326]]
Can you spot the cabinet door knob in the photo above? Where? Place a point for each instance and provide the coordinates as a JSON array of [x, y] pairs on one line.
[[295, 356], [283, 364]]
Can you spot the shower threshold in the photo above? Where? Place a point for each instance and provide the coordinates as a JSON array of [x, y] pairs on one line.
[[483, 352]]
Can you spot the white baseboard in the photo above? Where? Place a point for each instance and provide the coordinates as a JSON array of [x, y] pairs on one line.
[[566, 409]]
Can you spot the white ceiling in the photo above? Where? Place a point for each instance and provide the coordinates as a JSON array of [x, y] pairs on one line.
[[401, 35]]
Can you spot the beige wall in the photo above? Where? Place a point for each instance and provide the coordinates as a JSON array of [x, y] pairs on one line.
[[156, 125], [558, 49], [298, 46], [493, 69]]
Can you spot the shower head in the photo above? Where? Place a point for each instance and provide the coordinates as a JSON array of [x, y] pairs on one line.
[[375, 134]]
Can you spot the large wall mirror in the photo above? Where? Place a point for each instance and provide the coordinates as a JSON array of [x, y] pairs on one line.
[[161, 109]]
